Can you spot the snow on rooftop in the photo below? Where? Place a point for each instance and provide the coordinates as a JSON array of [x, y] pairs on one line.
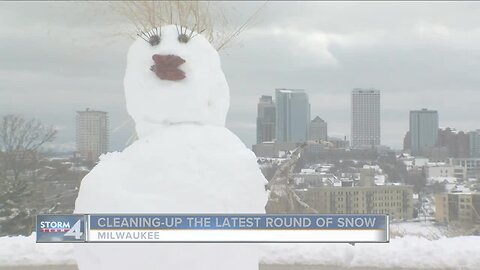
[[404, 155], [440, 179], [337, 183], [394, 184], [437, 164], [380, 180], [460, 189], [308, 171]]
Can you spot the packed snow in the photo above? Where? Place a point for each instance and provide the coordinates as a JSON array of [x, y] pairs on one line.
[[185, 160], [407, 252], [425, 230], [202, 97], [403, 252], [22, 250]]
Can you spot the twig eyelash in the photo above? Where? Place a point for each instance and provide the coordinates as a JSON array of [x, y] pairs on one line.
[[198, 33], [183, 36], [152, 37]]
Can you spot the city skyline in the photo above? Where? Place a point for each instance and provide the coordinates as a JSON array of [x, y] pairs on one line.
[[416, 53]]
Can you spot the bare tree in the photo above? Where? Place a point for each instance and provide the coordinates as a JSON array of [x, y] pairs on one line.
[[20, 140]]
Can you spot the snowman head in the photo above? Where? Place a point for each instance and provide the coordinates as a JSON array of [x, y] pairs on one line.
[[174, 76]]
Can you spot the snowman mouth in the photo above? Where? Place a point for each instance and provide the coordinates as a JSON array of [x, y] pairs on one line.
[[166, 67]]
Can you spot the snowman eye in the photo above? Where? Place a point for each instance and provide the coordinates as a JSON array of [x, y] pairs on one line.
[[152, 37], [154, 40], [183, 38], [185, 35], [182, 34]]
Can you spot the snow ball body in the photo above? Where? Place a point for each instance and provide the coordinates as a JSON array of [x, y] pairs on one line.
[[185, 161]]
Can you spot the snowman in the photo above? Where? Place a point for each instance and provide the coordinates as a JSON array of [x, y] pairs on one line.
[[184, 161]]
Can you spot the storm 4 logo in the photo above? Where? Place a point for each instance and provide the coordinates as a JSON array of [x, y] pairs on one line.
[[60, 228]]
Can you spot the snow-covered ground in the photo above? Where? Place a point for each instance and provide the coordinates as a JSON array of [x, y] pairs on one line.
[[425, 230], [21, 250], [416, 245], [407, 252]]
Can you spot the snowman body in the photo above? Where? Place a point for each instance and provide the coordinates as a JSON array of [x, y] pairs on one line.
[[185, 161]]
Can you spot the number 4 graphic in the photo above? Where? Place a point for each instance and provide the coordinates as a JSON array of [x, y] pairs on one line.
[[75, 231]]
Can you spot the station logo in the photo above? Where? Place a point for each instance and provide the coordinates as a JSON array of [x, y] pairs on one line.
[[61, 228]]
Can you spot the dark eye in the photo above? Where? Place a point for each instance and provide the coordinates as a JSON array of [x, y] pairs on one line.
[[154, 40], [185, 35], [183, 38], [153, 37]]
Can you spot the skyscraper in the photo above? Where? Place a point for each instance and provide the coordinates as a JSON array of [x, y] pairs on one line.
[[455, 142], [92, 134], [265, 119], [423, 130], [318, 129], [365, 118], [293, 115], [475, 143]]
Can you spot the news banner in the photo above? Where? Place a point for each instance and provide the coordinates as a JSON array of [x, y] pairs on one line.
[[212, 228]]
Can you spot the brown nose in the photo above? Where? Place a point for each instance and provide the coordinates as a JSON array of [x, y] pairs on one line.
[[166, 67]]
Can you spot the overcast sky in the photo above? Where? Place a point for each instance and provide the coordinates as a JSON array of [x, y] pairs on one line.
[[57, 58]]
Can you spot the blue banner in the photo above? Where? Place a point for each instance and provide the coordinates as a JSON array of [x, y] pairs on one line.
[[234, 222], [212, 228]]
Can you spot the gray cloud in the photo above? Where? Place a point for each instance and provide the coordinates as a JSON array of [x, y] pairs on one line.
[[56, 58]]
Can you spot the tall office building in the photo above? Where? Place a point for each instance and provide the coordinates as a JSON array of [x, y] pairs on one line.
[[475, 143], [92, 134], [265, 119], [455, 143], [318, 130], [423, 130], [293, 115], [365, 118]]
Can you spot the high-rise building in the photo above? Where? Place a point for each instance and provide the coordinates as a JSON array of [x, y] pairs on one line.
[[475, 143], [456, 143], [92, 134], [423, 130], [365, 118], [318, 130], [265, 119], [293, 115]]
